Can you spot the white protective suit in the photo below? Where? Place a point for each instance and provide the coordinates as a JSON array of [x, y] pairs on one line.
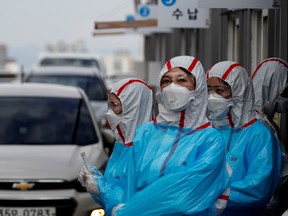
[[179, 165], [136, 99], [253, 152], [269, 79]]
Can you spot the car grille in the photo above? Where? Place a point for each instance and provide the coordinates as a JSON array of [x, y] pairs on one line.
[[64, 207], [9, 184]]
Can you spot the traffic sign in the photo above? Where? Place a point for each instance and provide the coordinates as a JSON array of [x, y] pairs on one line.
[[144, 11], [168, 2], [130, 18]]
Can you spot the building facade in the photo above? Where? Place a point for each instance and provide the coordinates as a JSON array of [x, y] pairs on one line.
[[246, 36]]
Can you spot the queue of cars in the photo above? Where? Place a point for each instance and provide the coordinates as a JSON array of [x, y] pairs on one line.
[[46, 122], [86, 78], [43, 130]]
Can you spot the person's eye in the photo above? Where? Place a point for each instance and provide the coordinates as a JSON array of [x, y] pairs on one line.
[[182, 80], [113, 104], [165, 81], [219, 91]]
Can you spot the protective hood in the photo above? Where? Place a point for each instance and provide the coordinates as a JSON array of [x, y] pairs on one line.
[[136, 98], [235, 75], [269, 80], [194, 115]]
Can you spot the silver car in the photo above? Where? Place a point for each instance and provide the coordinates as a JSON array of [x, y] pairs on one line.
[[44, 129], [86, 78]]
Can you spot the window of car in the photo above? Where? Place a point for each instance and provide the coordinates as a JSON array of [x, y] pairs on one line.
[[69, 62], [93, 86], [46, 121]]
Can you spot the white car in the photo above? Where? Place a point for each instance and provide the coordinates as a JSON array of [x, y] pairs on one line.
[[44, 129], [85, 78], [86, 60]]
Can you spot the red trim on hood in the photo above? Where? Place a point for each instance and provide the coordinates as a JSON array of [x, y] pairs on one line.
[[168, 65], [206, 125], [193, 64], [120, 133], [130, 82], [225, 75], [230, 120], [207, 75], [249, 123], [182, 119], [267, 60]]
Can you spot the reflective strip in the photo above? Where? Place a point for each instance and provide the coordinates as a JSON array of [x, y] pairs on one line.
[[120, 133], [267, 60], [128, 144], [206, 125], [130, 82], [224, 197], [182, 119], [168, 65], [249, 123], [193, 64], [230, 120], [225, 75]]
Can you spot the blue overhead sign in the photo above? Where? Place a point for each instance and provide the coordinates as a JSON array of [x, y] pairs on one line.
[[144, 11], [130, 18], [168, 2]]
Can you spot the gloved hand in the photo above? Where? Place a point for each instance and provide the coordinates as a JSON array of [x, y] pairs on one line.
[[87, 180], [114, 213]]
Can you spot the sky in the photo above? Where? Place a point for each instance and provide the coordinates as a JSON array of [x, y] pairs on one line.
[[26, 27]]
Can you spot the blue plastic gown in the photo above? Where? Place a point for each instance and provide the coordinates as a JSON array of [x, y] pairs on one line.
[[255, 154], [176, 171], [113, 186]]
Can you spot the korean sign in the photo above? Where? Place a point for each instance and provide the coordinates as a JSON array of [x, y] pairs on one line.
[[182, 14]]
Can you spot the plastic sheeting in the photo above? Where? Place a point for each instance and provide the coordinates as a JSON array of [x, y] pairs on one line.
[[176, 171], [113, 186], [255, 154]]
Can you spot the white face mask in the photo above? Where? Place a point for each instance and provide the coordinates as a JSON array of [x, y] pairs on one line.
[[113, 119], [175, 97], [218, 106]]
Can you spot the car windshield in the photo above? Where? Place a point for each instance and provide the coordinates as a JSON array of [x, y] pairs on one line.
[[46, 121], [93, 86], [69, 62]]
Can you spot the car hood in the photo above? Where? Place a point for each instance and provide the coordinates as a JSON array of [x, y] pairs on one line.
[[44, 162]]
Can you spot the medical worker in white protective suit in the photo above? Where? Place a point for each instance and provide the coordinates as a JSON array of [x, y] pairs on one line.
[[179, 159], [270, 80], [253, 151], [130, 104]]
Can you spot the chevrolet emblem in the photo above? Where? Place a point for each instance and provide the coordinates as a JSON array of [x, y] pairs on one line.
[[23, 186]]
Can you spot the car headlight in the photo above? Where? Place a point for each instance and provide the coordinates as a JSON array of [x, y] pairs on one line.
[[98, 212]]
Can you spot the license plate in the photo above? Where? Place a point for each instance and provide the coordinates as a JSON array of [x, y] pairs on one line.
[[43, 211]]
